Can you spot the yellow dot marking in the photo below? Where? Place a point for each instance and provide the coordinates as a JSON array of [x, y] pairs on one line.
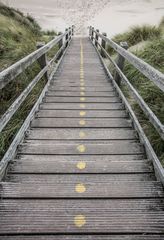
[[82, 113], [81, 165], [80, 188], [82, 134], [82, 99], [82, 88], [82, 105], [82, 122], [81, 148], [82, 84], [82, 93], [79, 221]]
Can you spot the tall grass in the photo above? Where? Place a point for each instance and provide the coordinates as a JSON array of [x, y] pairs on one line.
[[152, 53], [18, 37], [137, 34]]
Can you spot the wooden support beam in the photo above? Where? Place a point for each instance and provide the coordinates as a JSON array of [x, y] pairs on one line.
[[92, 33], [120, 62], [103, 44], [97, 38], [43, 59]]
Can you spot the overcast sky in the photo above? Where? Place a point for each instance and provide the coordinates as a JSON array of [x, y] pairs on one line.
[[111, 16]]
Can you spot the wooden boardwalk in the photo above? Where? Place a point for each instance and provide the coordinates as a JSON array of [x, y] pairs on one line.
[[81, 172]]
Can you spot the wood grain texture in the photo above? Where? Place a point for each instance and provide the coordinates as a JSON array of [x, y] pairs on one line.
[[81, 172]]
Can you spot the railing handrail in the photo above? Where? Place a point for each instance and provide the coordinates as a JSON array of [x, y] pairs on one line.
[[159, 170], [17, 68], [148, 112], [146, 69], [21, 65]]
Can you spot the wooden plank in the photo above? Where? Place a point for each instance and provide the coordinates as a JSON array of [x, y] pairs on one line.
[[85, 237], [82, 113], [82, 99], [90, 106], [81, 148], [78, 178], [117, 189], [87, 133], [77, 94], [83, 123], [74, 89], [88, 205], [77, 164]]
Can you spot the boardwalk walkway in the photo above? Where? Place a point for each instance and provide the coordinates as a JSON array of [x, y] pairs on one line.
[[81, 172]]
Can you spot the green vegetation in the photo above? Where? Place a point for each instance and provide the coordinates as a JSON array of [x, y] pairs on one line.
[[137, 34], [18, 37], [151, 52]]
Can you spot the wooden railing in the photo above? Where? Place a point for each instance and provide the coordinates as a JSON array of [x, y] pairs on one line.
[[147, 70], [8, 75], [100, 42], [13, 71]]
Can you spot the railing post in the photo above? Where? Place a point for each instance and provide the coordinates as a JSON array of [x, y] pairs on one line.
[[70, 33], [92, 33], [66, 37], [103, 44], [60, 45], [72, 30], [96, 38], [43, 59], [120, 62]]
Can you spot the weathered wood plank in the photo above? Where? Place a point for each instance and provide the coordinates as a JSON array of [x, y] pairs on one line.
[[74, 89], [83, 106], [82, 113], [87, 133], [95, 148], [85, 237], [83, 123], [76, 94], [82, 99], [77, 164], [110, 190], [78, 178]]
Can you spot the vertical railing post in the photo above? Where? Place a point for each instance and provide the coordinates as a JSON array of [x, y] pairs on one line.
[[43, 59], [60, 45], [92, 33], [120, 63], [66, 37], [96, 38], [70, 33], [72, 30], [103, 44]]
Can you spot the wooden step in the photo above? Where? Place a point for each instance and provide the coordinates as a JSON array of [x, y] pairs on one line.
[[104, 190], [77, 164], [82, 113], [80, 148], [83, 123], [86, 134]]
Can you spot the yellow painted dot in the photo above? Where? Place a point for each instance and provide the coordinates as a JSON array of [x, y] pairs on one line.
[[81, 165], [82, 113], [82, 84], [82, 134], [82, 122], [82, 99], [81, 148], [82, 93], [82, 88], [82, 105], [79, 221], [80, 188]]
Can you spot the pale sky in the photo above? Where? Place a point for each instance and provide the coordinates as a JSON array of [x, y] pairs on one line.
[[111, 16]]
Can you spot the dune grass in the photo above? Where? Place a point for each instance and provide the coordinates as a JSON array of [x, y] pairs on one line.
[[18, 37], [137, 34], [152, 52]]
